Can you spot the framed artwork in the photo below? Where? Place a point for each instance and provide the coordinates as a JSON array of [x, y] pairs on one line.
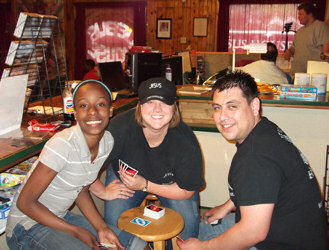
[[164, 28], [200, 26]]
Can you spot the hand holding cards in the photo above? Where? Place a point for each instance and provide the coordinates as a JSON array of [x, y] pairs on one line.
[[154, 211], [125, 168]]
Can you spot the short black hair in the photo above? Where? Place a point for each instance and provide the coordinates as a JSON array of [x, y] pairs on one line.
[[308, 7], [239, 79], [271, 54]]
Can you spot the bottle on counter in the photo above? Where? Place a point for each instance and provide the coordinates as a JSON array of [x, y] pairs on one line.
[[68, 109], [168, 72]]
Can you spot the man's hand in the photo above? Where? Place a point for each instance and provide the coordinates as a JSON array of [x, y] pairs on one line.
[[219, 212], [191, 243], [287, 54]]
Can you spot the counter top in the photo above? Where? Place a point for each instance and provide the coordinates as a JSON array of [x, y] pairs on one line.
[[322, 101]]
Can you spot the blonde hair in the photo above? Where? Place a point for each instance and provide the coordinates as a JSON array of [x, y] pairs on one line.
[[175, 120]]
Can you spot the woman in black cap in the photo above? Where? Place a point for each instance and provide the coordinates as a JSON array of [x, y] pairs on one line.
[[153, 141]]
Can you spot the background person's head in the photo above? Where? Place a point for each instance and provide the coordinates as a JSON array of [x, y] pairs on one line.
[[239, 79], [306, 13], [271, 54], [160, 93], [89, 65]]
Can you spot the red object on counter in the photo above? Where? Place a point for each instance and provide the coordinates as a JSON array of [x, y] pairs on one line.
[[36, 126]]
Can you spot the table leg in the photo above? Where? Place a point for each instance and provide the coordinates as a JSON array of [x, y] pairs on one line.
[[159, 245], [174, 243]]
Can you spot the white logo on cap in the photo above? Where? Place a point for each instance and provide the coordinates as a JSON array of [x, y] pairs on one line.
[[155, 85]]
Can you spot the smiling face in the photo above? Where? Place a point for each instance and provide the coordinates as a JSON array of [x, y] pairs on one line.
[[156, 115], [234, 116], [92, 109]]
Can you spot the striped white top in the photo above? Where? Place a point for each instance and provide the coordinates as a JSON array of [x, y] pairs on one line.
[[68, 154]]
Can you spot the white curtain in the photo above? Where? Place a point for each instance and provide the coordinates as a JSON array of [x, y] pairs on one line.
[[262, 23]]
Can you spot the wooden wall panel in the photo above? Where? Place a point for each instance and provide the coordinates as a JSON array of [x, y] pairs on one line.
[[182, 15]]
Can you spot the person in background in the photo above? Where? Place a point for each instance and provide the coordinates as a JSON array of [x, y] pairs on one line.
[[311, 41], [153, 140], [68, 164], [265, 70], [272, 188], [91, 70]]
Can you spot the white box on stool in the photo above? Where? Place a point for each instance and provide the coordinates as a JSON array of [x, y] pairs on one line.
[[154, 211]]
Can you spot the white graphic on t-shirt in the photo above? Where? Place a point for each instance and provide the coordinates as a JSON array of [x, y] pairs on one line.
[[231, 191], [285, 137], [320, 204]]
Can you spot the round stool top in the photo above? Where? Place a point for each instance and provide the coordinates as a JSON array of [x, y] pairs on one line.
[[167, 227]]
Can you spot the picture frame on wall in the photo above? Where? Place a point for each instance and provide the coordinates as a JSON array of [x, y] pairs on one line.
[[200, 26], [163, 28]]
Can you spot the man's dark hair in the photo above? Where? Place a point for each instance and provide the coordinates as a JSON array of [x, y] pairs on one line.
[[239, 79], [308, 7], [271, 54]]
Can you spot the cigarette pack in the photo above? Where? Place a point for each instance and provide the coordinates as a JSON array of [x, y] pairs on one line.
[[154, 211], [36, 126], [298, 92]]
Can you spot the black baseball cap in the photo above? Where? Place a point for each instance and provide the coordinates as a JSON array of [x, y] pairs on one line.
[[158, 88]]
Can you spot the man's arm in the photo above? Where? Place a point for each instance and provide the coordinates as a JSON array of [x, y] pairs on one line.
[[289, 53], [250, 230], [325, 52]]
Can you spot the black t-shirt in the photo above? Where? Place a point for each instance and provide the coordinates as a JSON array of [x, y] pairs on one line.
[[267, 168], [177, 159]]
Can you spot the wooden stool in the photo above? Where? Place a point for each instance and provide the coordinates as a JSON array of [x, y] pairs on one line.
[[167, 227], [148, 198]]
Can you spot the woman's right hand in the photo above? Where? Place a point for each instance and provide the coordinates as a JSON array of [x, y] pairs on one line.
[[86, 237], [117, 190]]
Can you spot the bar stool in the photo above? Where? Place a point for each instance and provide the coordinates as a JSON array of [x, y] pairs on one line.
[[148, 198], [158, 231]]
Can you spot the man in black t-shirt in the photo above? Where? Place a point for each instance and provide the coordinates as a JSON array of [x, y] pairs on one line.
[[271, 185]]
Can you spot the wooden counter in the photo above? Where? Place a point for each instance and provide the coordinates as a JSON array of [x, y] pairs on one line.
[[196, 110]]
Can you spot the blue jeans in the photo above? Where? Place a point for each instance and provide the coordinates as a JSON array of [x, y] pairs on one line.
[[189, 209], [208, 231], [43, 237]]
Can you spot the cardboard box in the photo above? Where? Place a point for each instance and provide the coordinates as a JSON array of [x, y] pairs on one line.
[[154, 211], [298, 92]]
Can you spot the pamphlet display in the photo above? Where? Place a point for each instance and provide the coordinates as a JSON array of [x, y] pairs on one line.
[[36, 50]]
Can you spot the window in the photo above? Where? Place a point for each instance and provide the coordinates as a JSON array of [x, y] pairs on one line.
[[262, 23]]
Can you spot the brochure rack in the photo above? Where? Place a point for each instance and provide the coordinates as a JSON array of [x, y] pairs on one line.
[[37, 50]]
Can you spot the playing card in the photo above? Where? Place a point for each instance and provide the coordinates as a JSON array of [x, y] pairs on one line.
[[140, 222], [106, 246], [122, 166], [130, 171], [154, 208]]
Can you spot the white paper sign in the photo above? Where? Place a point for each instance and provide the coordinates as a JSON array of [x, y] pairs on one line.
[[12, 96]]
